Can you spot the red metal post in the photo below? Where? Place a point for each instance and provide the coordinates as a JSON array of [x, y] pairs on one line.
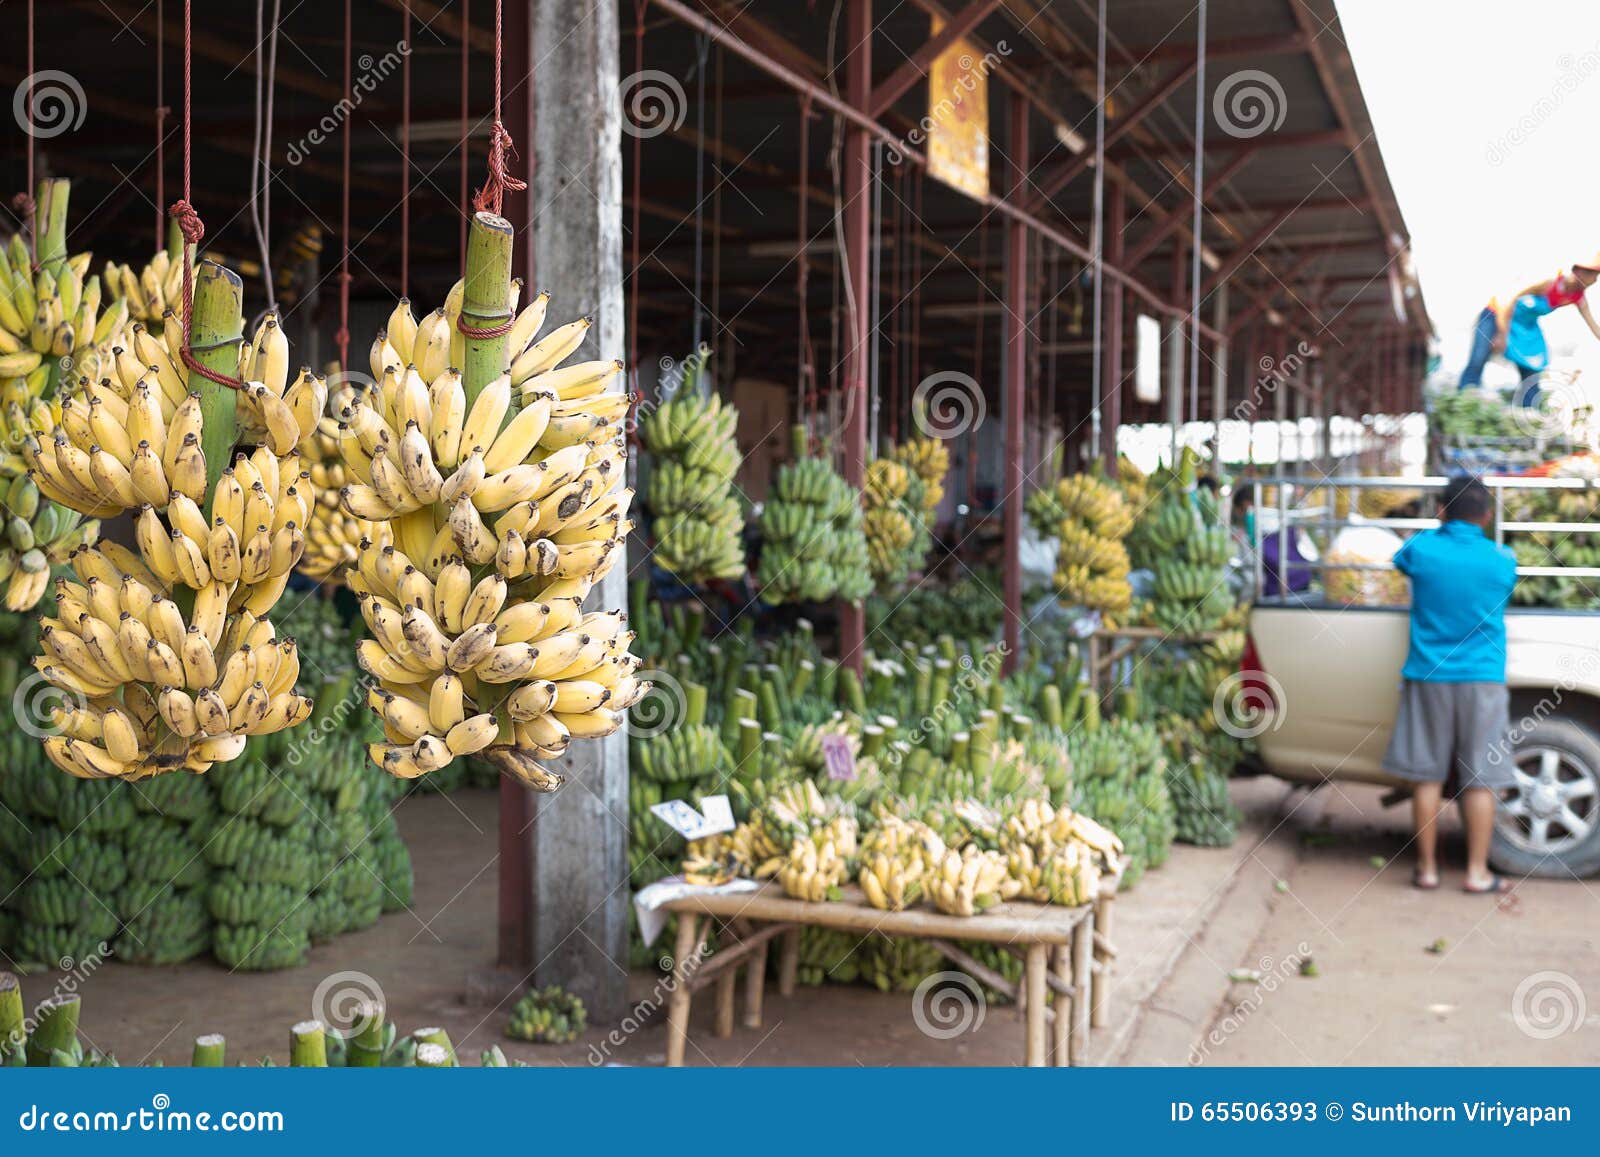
[[857, 237], [1111, 339], [1016, 343], [515, 942]]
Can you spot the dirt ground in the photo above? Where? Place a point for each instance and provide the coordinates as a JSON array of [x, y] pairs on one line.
[[1303, 872]]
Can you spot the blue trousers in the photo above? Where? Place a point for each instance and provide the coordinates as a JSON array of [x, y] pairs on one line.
[[1483, 349]]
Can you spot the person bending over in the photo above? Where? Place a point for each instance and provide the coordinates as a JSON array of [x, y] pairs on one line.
[[1512, 327]]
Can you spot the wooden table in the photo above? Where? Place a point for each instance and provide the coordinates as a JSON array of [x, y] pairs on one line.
[[1057, 945]]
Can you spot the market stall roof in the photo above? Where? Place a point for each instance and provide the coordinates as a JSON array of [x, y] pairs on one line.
[[1299, 212]]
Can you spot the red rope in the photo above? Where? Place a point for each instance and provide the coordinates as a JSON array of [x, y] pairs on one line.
[[489, 332], [405, 159], [342, 337], [466, 99], [189, 223], [25, 202], [500, 181], [162, 112]]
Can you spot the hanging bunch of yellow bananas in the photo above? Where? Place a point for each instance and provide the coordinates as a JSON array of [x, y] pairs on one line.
[[150, 292], [928, 459], [167, 649], [333, 538], [501, 488], [52, 330], [893, 522], [1089, 519]]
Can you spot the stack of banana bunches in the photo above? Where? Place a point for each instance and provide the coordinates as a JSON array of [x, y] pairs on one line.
[[164, 653], [501, 505]]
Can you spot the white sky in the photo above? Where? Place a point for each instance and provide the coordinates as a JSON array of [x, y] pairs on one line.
[[1488, 114]]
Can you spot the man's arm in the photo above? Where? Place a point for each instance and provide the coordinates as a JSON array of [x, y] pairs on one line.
[[1402, 557], [1504, 310], [1588, 316]]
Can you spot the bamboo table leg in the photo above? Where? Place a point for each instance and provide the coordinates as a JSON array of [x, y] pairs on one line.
[[685, 954], [727, 985], [1100, 1003], [1061, 964], [755, 983], [1033, 1014], [788, 962], [1082, 973]]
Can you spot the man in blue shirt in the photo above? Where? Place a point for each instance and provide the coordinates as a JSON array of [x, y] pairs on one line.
[[1454, 706]]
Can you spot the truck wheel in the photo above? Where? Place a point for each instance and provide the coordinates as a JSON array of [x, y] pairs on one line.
[[1549, 823]]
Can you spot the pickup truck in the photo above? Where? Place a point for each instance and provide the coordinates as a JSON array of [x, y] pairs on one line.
[[1332, 675]]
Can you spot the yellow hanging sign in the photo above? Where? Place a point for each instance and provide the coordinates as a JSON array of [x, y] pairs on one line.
[[957, 124]]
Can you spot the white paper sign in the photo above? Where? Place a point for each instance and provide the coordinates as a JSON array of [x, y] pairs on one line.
[[693, 825]]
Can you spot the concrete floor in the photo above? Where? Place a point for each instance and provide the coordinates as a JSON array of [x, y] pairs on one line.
[[1301, 873]]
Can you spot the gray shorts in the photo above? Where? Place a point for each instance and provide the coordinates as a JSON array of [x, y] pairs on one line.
[[1459, 727]]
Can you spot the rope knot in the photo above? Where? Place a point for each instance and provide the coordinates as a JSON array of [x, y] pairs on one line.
[[189, 223], [500, 181], [24, 204]]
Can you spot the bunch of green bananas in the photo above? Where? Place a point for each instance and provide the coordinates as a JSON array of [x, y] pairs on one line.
[[164, 924], [898, 963], [263, 947], [38, 534], [549, 1015], [684, 752], [814, 548], [697, 519]]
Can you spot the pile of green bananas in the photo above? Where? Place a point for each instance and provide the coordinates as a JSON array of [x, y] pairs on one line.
[[1469, 414], [550, 1016], [814, 548], [697, 520], [1120, 780]]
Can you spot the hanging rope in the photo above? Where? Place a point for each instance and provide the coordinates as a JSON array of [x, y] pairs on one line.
[[500, 181], [342, 337], [23, 201], [261, 161], [405, 157], [466, 91], [162, 112], [183, 211], [808, 369]]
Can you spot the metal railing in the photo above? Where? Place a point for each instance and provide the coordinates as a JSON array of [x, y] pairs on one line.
[[1325, 517]]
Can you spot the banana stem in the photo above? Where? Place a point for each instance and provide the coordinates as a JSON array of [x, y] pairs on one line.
[[209, 1051], [434, 1036], [55, 1028], [308, 1045], [365, 1048], [50, 223], [486, 299], [175, 244], [13, 1029], [214, 336]]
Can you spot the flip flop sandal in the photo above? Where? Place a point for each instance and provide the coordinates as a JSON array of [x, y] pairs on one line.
[[1500, 886], [1423, 885]]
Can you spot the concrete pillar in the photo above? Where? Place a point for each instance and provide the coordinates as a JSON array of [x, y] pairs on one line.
[[578, 840]]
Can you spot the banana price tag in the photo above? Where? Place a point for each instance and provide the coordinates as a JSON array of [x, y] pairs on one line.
[[716, 816], [838, 758]]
